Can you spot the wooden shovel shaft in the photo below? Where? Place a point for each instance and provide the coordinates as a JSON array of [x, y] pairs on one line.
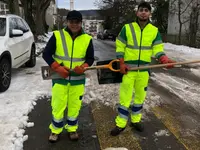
[[97, 67], [165, 65], [47, 72], [109, 66]]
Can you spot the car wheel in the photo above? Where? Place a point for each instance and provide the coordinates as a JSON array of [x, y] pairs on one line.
[[5, 74], [32, 60]]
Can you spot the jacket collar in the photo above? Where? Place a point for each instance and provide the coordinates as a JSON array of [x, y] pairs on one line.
[[137, 21], [70, 32]]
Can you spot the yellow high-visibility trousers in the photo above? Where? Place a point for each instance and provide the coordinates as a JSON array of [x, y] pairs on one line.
[[137, 82], [65, 96]]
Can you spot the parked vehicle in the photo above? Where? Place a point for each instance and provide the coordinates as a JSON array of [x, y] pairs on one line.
[[17, 47], [100, 35], [107, 34]]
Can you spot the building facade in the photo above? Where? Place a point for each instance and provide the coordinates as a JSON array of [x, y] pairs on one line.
[[189, 10], [51, 14], [3, 8]]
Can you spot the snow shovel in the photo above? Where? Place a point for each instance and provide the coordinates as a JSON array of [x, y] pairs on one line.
[[109, 66], [108, 71], [106, 76]]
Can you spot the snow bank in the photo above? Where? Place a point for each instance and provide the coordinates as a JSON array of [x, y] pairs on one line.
[[45, 38], [188, 91], [16, 103], [42, 40], [181, 48]]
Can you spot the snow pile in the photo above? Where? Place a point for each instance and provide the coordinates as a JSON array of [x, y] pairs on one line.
[[152, 100], [45, 38], [42, 41], [162, 133], [182, 53], [40, 47], [181, 48], [186, 90], [108, 94], [17, 102], [196, 72]]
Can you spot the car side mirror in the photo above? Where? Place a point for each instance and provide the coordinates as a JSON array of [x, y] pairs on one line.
[[16, 33]]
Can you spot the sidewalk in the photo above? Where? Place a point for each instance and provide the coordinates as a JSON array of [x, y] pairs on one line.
[[38, 135]]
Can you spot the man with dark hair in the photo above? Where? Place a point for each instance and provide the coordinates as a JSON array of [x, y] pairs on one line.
[[68, 52], [135, 45]]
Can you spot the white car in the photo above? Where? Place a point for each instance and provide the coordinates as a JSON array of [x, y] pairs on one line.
[[17, 47]]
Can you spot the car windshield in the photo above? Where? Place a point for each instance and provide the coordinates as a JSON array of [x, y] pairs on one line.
[[2, 26]]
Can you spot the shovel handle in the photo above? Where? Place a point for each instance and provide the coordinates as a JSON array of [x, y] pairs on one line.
[[108, 66], [165, 65]]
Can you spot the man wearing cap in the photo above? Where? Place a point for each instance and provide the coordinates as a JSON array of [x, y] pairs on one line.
[[135, 45], [68, 52]]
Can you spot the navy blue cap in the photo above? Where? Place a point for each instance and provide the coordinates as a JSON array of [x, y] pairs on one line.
[[74, 15]]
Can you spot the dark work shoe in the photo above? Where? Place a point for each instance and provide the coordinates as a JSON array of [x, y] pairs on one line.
[[116, 131], [73, 136], [53, 137], [138, 126]]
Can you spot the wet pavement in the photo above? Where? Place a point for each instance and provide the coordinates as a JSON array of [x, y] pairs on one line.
[[38, 135]]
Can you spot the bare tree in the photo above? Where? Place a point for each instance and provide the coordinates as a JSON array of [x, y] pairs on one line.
[[13, 6], [35, 11], [29, 13], [117, 13], [182, 20], [160, 7], [194, 19]]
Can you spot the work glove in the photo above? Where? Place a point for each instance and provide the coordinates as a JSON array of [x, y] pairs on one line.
[[123, 67], [61, 70], [165, 60], [81, 69]]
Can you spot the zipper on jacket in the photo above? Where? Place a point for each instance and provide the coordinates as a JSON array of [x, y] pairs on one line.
[[140, 47], [71, 59]]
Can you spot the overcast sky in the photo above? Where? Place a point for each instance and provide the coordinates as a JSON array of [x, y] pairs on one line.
[[78, 4]]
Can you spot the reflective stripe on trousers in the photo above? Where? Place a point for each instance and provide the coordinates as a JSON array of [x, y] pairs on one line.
[[137, 82], [66, 96]]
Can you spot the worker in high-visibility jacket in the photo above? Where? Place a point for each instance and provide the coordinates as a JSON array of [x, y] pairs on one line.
[[68, 52], [135, 45]]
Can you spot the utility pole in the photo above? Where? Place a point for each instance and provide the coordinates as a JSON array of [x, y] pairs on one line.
[[71, 4]]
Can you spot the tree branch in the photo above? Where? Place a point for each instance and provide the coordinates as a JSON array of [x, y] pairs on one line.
[[185, 21], [187, 7], [5, 1]]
